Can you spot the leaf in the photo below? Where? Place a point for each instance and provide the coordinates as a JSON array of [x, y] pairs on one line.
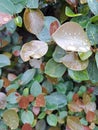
[[27, 76], [35, 49], [23, 102], [18, 21], [4, 18], [78, 76], [92, 30], [32, 4], [55, 100], [48, 86], [11, 76], [3, 101], [84, 55], [30, 98], [11, 118], [35, 89], [4, 61], [96, 58], [27, 117], [36, 63], [36, 110], [54, 128], [72, 61], [40, 101], [41, 125], [1, 83], [74, 123], [70, 13], [33, 20], [73, 3], [52, 120], [3, 125], [90, 116], [58, 54], [71, 37], [54, 69], [93, 5], [26, 126], [50, 25]]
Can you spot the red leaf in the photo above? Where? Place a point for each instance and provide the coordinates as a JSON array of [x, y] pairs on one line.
[[90, 116], [26, 126], [53, 27], [4, 18], [75, 97], [16, 53], [90, 90], [24, 102], [86, 128], [40, 101], [30, 98], [36, 110]]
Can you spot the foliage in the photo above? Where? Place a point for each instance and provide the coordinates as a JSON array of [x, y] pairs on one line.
[[48, 64]]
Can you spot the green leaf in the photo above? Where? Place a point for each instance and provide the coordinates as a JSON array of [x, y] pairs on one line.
[[70, 96], [78, 76], [41, 115], [55, 101], [96, 58], [4, 61], [84, 121], [93, 71], [70, 13], [12, 98], [27, 76], [94, 19], [41, 125], [84, 55], [35, 89], [27, 117], [92, 30], [96, 128], [3, 125], [11, 118], [18, 21], [1, 83], [52, 120], [62, 114], [93, 5], [58, 54], [49, 87], [32, 4], [7, 7], [13, 86], [54, 69]]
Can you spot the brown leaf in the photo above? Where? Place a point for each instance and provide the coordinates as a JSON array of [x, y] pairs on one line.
[[35, 49], [53, 27], [33, 20], [6, 82], [23, 102], [40, 101], [26, 126], [30, 98], [90, 116], [71, 37], [74, 123], [4, 18], [72, 61]]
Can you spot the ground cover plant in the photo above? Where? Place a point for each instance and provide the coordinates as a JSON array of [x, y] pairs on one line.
[[48, 65]]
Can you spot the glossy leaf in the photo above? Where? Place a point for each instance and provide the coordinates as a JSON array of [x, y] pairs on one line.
[[70, 13], [78, 75], [35, 89], [72, 61], [3, 101], [27, 76], [52, 120], [35, 49], [55, 101], [11, 118], [33, 20], [93, 5], [4, 61], [71, 37], [27, 117], [74, 123], [54, 69]]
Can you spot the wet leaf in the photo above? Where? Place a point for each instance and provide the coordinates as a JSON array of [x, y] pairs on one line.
[[11, 118], [33, 20], [26, 126], [27, 117], [74, 123], [35, 49], [3, 101], [72, 61], [54, 69], [4, 18], [90, 116], [23, 102], [52, 120], [40, 101], [71, 37]]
